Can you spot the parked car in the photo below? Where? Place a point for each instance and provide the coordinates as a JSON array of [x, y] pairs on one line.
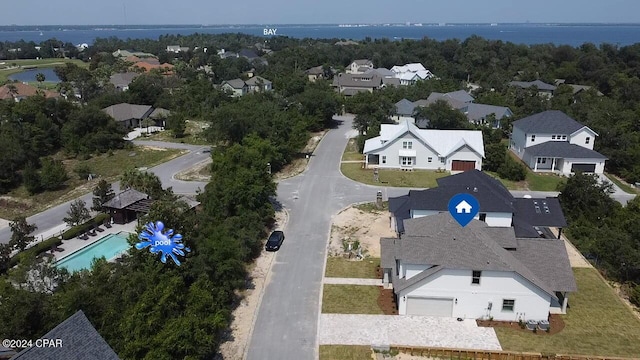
[[275, 241]]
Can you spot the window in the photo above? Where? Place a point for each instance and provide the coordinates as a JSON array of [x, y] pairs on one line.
[[586, 140], [406, 161], [442, 160], [508, 305], [384, 159], [475, 277], [483, 217], [564, 137], [430, 159], [407, 144], [553, 137], [533, 138], [542, 160]]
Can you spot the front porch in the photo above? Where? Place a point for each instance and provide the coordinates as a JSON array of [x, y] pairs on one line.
[[559, 306], [546, 164]]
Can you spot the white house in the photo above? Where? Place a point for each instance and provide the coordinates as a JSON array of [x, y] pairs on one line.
[[237, 87], [438, 268], [404, 146], [519, 217], [258, 84], [359, 66], [552, 141], [410, 73]]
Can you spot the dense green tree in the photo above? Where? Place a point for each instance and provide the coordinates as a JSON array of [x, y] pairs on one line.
[[102, 193], [31, 179], [585, 191], [53, 174], [512, 169], [21, 233], [441, 116], [143, 181], [77, 213]]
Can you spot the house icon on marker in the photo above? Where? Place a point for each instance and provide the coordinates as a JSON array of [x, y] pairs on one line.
[[463, 207]]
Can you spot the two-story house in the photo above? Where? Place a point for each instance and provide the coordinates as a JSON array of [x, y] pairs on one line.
[[351, 84], [258, 84], [552, 141], [506, 264], [404, 146], [410, 73], [359, 66], [237, 87]]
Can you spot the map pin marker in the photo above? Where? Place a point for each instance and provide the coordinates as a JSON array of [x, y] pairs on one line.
[[463, 208]]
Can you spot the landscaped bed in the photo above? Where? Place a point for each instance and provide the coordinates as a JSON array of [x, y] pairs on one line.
[[597, 323], [556, 325]]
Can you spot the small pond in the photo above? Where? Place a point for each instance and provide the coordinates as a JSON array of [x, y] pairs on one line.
[[30, 75]]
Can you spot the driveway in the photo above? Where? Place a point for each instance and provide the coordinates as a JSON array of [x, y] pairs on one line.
[[50, 221], [419, 331]]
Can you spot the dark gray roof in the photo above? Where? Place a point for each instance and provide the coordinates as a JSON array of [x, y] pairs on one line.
[[125, 198], [548, 122], [391, 81], [363, 62], [248, 53], [256, 79], [548, 260], [160, 113], [477, 112], [80, 341], [440, 240], [124, 111], [235, 83], [387, 253], [454, 103], [316, 70], [461, 95], [365, 81], [540, 212], [563, 149], [497, 196], [384, 72], [537, 83], [405, 107], [123, 79]]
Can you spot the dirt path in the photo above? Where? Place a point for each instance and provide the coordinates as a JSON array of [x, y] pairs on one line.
[[243, 317], [298, 165]]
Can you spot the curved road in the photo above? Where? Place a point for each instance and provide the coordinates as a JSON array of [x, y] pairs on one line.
[[50, 221]]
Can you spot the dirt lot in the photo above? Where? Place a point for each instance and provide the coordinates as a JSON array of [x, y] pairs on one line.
[[348, 225], [196, 172], [244, 315]]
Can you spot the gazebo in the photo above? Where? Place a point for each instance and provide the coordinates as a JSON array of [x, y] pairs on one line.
[[125, 206]]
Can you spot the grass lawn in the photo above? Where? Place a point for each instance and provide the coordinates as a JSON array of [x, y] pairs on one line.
[[340, 267], [106, 166], [509, 184], [351, 299], [192, 134], [345, 352], [396, 178], [543, 181], [351, 152], [625, 187], [597, 323], [42, 63]]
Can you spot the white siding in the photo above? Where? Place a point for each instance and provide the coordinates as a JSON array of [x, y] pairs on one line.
[[465, 153], [540, 138], [421, 161], [498, 219], [580, 137], [473, 300], [518, 141], [568, 163], [411, 270], [420, 213]]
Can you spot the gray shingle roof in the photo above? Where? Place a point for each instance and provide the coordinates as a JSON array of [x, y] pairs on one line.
[[160, 113], [548, 122], [387, 253], [461, 95], [454, 103], [367, 81], [235, 83], [401, 284], [363, 62], [384, 72], [124, 111], [316, 70], [477, 112], [562, 149], [548, 260], [80, 341], [541, 212], [537, 83], [122, 79], [405, 107], [125, 198], [440, 240], [256, 79]]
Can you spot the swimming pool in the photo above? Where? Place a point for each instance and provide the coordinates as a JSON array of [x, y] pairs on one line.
[[109, 247]]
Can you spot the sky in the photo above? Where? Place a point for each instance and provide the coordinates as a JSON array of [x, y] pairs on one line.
[[210, 12]]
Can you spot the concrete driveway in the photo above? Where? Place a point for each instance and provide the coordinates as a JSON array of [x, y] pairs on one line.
[[425, 331]]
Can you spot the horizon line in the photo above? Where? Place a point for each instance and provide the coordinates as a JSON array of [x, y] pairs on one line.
[[342, 23]]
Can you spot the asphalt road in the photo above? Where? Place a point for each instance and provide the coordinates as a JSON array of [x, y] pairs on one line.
[[287, 321], [52, 218]]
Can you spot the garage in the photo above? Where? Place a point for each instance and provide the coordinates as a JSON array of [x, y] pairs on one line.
[[587, 168], [462, 165], [429, 306]]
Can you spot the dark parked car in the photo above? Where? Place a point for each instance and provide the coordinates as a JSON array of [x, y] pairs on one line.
[[275, 241]]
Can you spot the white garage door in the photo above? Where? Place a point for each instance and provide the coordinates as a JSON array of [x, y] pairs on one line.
[[429, 306]]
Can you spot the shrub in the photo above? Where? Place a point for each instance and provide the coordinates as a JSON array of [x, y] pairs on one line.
[[35, 250], [512, 170], [82, 170], [79, 229]]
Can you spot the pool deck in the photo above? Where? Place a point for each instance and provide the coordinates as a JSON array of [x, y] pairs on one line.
[[70, 246]]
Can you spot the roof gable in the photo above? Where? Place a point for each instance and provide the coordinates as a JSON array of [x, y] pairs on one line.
[[126, 111], [548, 122], [125, 198]]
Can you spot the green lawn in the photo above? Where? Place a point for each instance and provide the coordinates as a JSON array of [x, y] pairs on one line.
[[597, 324], [340, 267], [543, 181], [107, 166], [345, 352], [395, 178], [192, 136], [351, 152], [509, 184], [625, 187], [42, 63], [351, 299]]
